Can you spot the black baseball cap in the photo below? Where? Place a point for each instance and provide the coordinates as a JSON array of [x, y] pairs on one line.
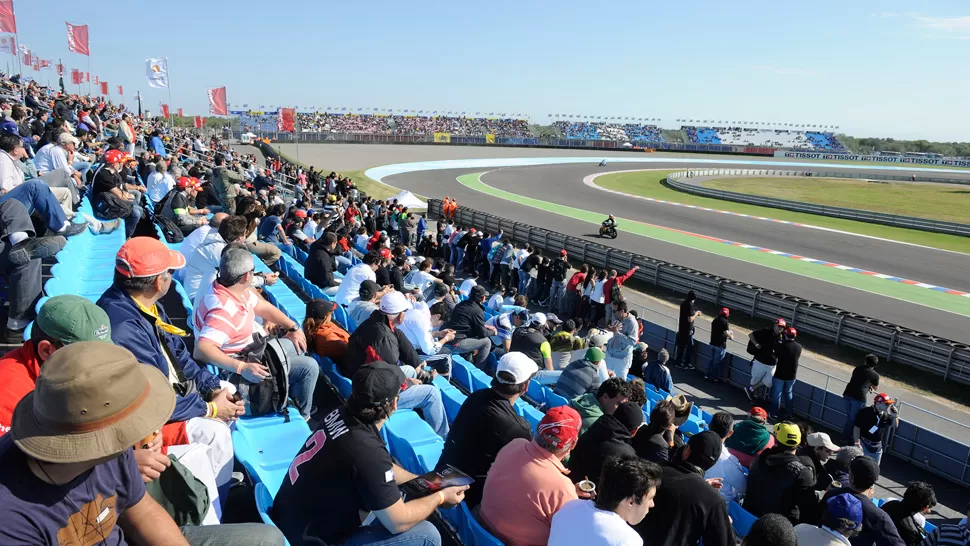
[[376, 384], [477, 293], [705, 449], [368, 289], [319, 308], [863, 472]]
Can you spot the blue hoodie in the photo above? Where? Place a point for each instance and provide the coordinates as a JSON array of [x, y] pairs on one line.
[[131, 329], [158, 147]]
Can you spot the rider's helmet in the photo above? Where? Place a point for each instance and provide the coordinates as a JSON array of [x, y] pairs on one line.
[[611, 217]]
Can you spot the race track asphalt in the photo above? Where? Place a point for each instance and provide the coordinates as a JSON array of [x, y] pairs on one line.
[[563, 184]]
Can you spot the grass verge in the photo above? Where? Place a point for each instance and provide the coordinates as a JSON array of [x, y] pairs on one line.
[[648, 184], [934, 201]]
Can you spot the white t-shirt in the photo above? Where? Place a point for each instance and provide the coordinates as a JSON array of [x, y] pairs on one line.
[[496, 302], [466, 287], [350, 287], [580, 522], [422, 280]]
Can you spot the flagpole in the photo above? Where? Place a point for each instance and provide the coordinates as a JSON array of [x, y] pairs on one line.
[[168, 74], [89, 73]]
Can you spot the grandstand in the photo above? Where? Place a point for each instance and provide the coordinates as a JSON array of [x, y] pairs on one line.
[[772, 138], [257, 121], [322, 122], [609, 131]]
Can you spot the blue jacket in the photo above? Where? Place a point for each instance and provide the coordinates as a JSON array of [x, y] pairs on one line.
[[486, 244], [133, 331], [656, 374], [158, 147]]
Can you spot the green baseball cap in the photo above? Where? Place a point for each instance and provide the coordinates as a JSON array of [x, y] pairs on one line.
[[70, 319], [594, 354]]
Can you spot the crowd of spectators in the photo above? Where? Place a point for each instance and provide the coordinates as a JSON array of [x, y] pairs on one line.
[[105, 401], [628, 132], [321, 122]]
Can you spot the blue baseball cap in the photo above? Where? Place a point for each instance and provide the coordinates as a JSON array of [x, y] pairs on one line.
[[846, 507]]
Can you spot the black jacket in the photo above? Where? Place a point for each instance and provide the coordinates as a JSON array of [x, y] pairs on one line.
[[468, 320], [687, 509], [906, 526], [652, 447], [788, 353], [768, 340], [784, 482], [318, 268], [607, 437], [374, 340]]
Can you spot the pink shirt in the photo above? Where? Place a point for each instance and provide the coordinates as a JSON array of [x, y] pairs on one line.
[[526, 486], [225, 320]]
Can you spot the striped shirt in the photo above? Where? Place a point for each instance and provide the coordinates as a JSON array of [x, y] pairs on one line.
[[949, 535], [225, 320]]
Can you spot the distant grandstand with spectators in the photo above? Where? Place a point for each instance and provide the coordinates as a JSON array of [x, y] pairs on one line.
[[575, 132]]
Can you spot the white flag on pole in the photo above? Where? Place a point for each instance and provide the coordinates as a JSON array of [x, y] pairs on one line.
[[157, 72]]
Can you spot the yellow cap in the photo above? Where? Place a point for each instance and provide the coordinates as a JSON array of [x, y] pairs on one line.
[[788, 434]]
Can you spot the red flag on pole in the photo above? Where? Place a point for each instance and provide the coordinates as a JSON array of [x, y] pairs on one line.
[[77, 39], [198, 122], [180, 112], [165, 110], [104, 88], [75, 76], [96, 81], [217, 101], [8, 21], [204, 120], [121, 90], [287, 120], [28, 59], [44, 63], [36, 64], [60, 69], [87, 76]]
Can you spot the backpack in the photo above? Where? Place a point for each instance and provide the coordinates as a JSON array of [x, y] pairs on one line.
[[271, 395], [615, 293], [558, 269], [171, 230]]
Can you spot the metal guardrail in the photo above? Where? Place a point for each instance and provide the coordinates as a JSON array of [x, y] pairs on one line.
[[921, 446], [678, 181], [942, 357]]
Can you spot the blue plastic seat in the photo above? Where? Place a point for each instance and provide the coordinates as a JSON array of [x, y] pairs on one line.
[[742, 519], [266, 446], [537, 393], [461, 372], [553, 400], [532, 415], [264, 505], [478, 534], [480, 380], [452, 399]]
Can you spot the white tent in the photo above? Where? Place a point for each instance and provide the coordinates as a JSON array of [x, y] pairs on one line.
[[408, 199]]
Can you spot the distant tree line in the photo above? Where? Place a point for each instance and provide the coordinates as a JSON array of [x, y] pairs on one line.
[[870, 144]]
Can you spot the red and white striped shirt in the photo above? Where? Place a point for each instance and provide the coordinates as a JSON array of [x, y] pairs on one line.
[[225, 320]]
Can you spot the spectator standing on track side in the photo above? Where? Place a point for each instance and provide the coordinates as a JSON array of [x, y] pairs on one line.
[[720, 334], [783, 382], [684, 353], [597, 309], [872, 423], [864, 381], [558, 269], [762, 344], [529, 264], [487, 422], [572, 293], [624, 496], [344, 468], [612, 290]]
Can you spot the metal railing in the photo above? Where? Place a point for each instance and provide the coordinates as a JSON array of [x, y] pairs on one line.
[[920, 445], [680, 182]]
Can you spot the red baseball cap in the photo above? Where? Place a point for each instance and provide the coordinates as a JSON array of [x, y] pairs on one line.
[[781, 322], [725, 311], [185, 182], [299, 213], [386, 253], [563, 252], [758, 413], [560, 426], [146, 257], [883, 398]]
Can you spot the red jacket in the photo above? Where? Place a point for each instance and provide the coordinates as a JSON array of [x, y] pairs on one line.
[[18, 375], [575, 281], [608, 286]]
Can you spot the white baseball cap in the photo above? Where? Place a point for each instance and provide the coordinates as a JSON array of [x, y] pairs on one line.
[[520, 366], [539, 319], [394, 302], [821, 439]]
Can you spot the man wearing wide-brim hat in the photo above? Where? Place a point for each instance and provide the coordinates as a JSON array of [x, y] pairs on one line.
[[67, 473]]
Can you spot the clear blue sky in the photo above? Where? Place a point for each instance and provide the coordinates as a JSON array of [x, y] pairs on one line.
[[873, 68]]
